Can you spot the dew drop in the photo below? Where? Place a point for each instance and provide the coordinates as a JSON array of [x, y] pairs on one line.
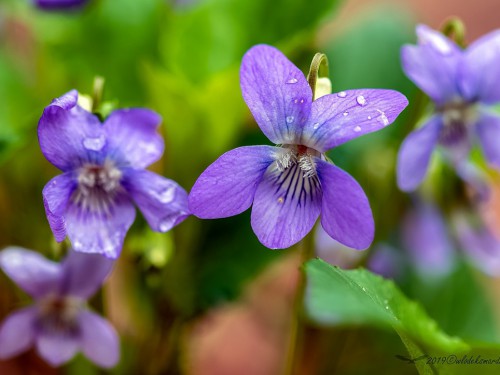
[[167, 194], [94, 144], [364, 289], [345, 113], [369, 117], [289, 119], [316, 125], [281, 200], [296, 101], [357, 129], [167, 223], [383, 118], [292, 80], [342, 94], [361, 100], [302, 100]]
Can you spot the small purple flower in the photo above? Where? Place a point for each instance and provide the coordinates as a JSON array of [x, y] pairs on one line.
[[463, 84], [104, 173], [479, 243], [386, 261], [290, 184], [426, 238], [59, 4], [58, 324]]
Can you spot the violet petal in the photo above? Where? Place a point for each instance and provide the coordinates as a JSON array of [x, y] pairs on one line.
[[133, 138], [480, 72], [100, 342], [286, 206], [34, 273], [488, 132], [100, 232], [162, 201], [17, 332], [276, 92], [345, 212], [57, 348], [56, 195], [84, 273], [338, 118], [434, 72], [415, 153], [65, 130], [227, 187]]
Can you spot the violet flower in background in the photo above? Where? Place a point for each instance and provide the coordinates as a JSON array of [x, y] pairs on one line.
[[334, 252], [291, 184], [386, 261], [103, 165], [463, 84], [479, 243], [59, 4], [58, 324], [426, 239]]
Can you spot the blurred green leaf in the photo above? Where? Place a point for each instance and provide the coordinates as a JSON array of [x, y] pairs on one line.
[[215, 35], [335, 296]]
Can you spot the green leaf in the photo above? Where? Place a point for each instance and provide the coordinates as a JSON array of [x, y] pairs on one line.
[[335, 296]]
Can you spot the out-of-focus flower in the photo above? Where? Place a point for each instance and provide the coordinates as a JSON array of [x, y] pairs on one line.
[[426, 238], [58, 324], [59, 4], [478, 242], [290, 184], [463, 85], [386, 261], [334, 252], [104, 173]]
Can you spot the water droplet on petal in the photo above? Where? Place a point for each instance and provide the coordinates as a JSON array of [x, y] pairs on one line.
[[296, 101], [383, 118], [94, 144], [167, 195], [167, 223], [345, 113], [361, 100], [369, 117], [342, 94], [292, 80], [357, 129], [281, 200], [289, 119], [302, 100], [316, 125]]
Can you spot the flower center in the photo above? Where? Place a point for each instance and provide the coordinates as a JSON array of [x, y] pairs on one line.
[[97, 186], [58, 315], [457, 117], [289, 155]]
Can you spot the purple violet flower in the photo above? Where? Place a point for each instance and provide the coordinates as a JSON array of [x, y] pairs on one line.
[[58, 324], [463, 84], [479, 243], [426, 238], [59, 4], [104, 173], [290, 184]]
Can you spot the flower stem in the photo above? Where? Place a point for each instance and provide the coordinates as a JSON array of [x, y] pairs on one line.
[[318, 69], [97, 93], [454, 28], [297, 325]]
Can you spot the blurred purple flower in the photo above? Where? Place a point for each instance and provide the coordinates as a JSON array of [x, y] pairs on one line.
[[386, 261], [59, 4], [426, 238], [478, 242], [463, 84], [289, 185], [334, 252], [58, 324], [104, 173]]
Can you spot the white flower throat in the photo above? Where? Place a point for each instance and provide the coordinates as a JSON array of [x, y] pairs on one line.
[[303, 156], [97, 186], [458, 116], [59, 314]]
